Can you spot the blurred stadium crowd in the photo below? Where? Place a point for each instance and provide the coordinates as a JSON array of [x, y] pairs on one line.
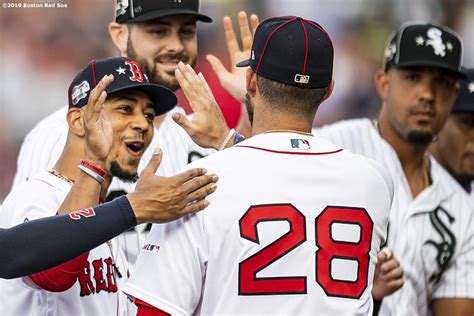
[[42, 49]]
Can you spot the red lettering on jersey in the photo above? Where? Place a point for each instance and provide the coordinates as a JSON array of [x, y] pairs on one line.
[[87, 286], [137, 74], [100, 283], [86, 280], [112, 285], [88, 212]]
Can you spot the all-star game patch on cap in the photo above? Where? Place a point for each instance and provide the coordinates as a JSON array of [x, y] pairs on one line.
[[127, 76], [292, 50], [424, 45], [465, 99], [131, 11]]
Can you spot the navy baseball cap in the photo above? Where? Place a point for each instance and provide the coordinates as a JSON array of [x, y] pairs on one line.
[[130, 11], [465, 99], [293, 51], [127, 75], [424, 45]]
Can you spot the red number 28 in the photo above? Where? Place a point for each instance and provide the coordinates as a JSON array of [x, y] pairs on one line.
[[328, 250]]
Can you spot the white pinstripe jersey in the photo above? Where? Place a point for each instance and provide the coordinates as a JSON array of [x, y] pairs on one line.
[[44, 144], [283, 234], [432, 235]]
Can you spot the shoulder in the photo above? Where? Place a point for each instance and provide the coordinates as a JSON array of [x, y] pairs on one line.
[[354, 125], [38, 196]]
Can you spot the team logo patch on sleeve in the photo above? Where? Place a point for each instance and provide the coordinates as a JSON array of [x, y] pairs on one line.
[[300, 144], [151, 248]]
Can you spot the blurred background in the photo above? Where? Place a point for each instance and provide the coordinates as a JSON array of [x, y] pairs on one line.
[[42, 49]]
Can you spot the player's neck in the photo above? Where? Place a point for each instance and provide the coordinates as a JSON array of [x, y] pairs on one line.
[[271, 121], [413, 157]]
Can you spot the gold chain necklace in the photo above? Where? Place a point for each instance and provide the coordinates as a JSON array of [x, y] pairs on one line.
[[56, 173]]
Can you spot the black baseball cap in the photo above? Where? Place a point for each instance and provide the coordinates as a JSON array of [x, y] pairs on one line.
[[130, 11], [424, 45], [292, 50], [465, 99], [127, 76]]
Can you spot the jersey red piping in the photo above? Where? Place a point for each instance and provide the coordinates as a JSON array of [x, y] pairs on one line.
[[291, 152]]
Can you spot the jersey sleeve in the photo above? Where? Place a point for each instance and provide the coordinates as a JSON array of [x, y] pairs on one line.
[[458, 280], [171, 267], [39, 151]]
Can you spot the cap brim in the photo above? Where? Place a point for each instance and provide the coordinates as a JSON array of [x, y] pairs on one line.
[[423, 63], [163, 98], [169, 12], [243, 63]]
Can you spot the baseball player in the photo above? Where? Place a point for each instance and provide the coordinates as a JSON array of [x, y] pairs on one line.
[[279, 237], [454, 148], [431, 222], [109, 129], [134, 33], [68, 236]]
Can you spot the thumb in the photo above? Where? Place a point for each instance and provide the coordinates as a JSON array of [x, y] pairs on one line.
[[217, 66], [183, 121], [154, 163], [385, 254]]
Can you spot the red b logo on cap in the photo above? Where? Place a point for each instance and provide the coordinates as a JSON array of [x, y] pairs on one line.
[[136, 71]]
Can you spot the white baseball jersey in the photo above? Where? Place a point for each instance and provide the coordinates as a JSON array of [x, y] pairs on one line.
[[45, 142], [97, 289], [432, 235], [294, 228]]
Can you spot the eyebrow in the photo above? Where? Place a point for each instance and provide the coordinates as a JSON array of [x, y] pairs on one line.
[[132, 99]]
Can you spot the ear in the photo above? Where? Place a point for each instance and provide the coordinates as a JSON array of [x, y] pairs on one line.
[[251, 82], [75, 121], [329, 90], [119, 33], [381, 80]]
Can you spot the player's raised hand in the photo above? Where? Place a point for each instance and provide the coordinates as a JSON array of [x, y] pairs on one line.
[[208, 127], [163, 199], [98, 130], [233, 80], [388, 276]]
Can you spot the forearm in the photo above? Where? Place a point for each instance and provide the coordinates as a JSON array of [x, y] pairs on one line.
[[83, 194], [41, 244]]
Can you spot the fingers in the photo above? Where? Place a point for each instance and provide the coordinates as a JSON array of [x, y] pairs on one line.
[[389, 265], [154, 162], [189, 175], [394, 274], [245, 33], [217, 66], [184, 83], [201, 193], [396, 284], [195, 207], [198, 183], [99, 93], [183, 121], [206, 85], [254, 22], [231, 40]]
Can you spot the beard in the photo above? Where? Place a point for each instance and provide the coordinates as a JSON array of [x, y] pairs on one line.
[[151, 70], [420, 138], [249, 106], [117, 171]]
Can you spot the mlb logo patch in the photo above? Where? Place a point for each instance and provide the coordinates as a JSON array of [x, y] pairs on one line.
[[151, 248], [300, 144]]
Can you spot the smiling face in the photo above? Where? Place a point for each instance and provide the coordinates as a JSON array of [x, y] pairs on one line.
[[131, 115], [159, 45], [417, 101]]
